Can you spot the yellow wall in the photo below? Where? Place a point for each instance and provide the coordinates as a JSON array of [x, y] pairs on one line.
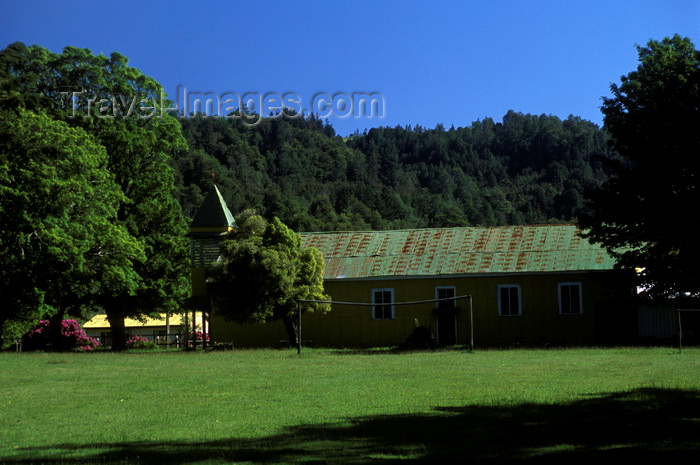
[[352, 326]]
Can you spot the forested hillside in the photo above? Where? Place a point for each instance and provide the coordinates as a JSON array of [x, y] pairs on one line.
[[525, 169]]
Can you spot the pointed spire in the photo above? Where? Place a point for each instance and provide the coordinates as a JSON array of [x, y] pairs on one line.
[[213, 214]]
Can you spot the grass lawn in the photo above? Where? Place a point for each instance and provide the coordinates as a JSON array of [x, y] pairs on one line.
[[326, 406]]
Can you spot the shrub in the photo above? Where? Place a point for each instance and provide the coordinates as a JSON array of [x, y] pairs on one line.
[[72, 337], [199, 336], [420, 338], [140, 342]]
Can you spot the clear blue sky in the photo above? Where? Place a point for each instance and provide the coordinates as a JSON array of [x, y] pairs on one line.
[[432, 62]]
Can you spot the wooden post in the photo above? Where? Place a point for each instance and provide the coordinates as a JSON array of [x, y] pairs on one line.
[[204, 330], [167, 329], [187, 330], [471, 326], [194, 329], [680, 332]]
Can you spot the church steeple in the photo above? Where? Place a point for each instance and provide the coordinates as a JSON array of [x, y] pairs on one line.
[[213, 215], [212, 220]]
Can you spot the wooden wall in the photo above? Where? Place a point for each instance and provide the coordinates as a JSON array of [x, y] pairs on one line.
[[540, 321]]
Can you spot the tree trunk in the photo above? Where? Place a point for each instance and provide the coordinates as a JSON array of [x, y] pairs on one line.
[[118, 329], [2, 334], [55, 332], [291, 328]]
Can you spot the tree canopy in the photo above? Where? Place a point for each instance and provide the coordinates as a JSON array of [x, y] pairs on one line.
[[118, 106], [264, 271], [647, 212], [59, 243]]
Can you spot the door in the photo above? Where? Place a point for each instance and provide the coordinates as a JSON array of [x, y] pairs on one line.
[[446, 329], [446, 311]]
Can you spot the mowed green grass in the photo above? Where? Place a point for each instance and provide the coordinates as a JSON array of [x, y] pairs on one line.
[[325, 406]]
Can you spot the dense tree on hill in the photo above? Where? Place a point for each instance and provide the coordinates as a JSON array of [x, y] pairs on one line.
[[121, 109], [647, 212], [525, 169]]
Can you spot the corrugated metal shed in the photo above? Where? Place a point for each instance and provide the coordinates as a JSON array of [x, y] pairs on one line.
[[457, 251]]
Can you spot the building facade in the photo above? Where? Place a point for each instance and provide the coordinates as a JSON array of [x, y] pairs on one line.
[[541, 284], [166, 330]]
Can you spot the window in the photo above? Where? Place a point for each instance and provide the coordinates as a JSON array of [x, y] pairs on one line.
[[509, 300], [382, 296], [570, 299], [445, 293]]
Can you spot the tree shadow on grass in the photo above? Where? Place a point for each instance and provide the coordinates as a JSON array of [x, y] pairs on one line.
[[398, 350], [626, 427]]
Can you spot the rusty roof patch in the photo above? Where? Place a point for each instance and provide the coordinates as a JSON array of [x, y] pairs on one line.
[[457, 251]]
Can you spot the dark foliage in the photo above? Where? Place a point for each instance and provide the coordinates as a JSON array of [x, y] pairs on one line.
[[524, 170], [647, 212], [420, 338]]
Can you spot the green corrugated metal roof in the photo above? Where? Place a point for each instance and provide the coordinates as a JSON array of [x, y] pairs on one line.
[[456, 251]]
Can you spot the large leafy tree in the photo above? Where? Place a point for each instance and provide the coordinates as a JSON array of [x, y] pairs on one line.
[[647, 212], [123, 110], [58, 240], [263, 273]]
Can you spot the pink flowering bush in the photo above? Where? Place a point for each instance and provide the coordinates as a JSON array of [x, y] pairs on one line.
[[140, 342], [72, 337], [199, 336]]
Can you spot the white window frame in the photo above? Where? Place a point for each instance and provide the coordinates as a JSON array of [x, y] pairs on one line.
[[374, 294], [446, 302], [580, 298], [520, 300]]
